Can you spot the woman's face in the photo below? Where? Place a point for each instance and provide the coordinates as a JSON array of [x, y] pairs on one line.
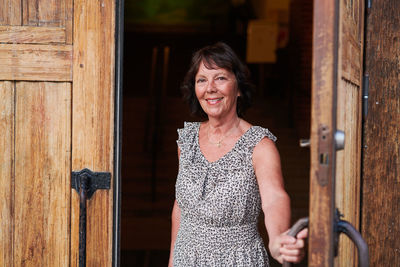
[[217, 91]]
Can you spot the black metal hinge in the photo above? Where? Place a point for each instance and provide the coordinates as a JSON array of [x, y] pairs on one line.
[[86, 182], [94, 180]]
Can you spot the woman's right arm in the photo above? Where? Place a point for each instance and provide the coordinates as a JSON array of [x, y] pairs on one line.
[[175, 221]]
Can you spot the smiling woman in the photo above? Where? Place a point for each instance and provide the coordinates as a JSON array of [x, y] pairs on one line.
[[229, 170], [216, 90], [217, 59]]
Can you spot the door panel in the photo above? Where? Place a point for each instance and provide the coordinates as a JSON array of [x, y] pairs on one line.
[[42, 164], [336, 105], [322, 128], [63, 110], [348, 112], [35, 62], [93, 120]]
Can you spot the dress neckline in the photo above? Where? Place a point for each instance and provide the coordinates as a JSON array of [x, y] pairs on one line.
[[224, 155]]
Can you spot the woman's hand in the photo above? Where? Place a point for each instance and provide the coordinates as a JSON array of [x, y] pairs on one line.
[[287, 248]]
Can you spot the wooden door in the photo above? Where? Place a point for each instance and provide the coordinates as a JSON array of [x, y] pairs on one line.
[[380, 221], [336, 105], [56, 116]]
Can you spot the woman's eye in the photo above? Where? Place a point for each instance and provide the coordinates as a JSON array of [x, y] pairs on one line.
[[221, 78], [200, 80]]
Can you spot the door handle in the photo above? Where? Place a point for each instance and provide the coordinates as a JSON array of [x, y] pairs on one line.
[[340, 226], [86, 182], [348, 229], [304, 142], [296, 228]]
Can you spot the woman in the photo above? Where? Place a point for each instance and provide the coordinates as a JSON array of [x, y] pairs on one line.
[[228, 171]]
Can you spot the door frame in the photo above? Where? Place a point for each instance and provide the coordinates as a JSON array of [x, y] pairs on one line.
[[119, 53], [323, 128]]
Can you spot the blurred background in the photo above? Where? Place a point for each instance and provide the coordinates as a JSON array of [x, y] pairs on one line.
[[272, 36]]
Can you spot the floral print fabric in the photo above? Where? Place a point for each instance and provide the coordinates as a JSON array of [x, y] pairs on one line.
[[220, 203]]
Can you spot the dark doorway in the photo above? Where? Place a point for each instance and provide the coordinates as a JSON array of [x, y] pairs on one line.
[[157, 55]]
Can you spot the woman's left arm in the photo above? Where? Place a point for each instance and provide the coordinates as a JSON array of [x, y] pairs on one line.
[[276, 204]]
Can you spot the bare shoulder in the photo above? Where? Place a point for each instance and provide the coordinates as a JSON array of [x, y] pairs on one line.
[[266, 161], [265, 151]]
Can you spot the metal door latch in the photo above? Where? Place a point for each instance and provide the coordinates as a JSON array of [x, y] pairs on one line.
[[86, 182], [92, 181]]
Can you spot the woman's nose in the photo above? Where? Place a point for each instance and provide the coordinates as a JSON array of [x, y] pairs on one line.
[[211, 86]]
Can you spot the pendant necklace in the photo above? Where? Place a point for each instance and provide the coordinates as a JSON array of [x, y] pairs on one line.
[[228, 134]]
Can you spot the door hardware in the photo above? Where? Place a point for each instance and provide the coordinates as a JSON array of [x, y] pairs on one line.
[[339, 139], [324, 147], [304, 142], [365, 95], [339, 226], [296, 228], [86, 182]]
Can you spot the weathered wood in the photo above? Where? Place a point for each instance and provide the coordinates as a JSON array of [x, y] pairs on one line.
[[10, 12], [6, 172], [68, 21], [348, 168], [93, 119], [42, 174], [322, 128], [43, 13], [381, 156], [349, 108], [31, 35], [35, 62]]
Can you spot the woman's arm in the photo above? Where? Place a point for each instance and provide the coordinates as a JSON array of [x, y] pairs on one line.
[[276, 204], [175, 221]]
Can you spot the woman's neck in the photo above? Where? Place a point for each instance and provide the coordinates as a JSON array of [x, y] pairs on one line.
[[220, 127]]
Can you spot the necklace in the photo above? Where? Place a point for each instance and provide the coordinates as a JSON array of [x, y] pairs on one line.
[[228, 134]]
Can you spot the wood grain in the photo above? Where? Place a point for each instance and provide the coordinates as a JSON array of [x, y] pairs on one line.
[[31, 35], [93, 119], [320, 251], [348, 110], [348, 168], [43, 13], [10, 12], [381, 155], [42, 174], [68, 21], [6, 172], [35, 62]]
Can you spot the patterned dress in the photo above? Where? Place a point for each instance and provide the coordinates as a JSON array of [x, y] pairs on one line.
[[220, 203]]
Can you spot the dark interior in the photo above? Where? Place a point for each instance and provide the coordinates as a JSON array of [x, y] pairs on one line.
[[156, 57]]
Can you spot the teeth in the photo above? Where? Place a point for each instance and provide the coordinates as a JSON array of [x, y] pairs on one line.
[[213, 101]]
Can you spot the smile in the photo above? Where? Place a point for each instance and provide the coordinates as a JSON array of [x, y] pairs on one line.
[[213, 101]]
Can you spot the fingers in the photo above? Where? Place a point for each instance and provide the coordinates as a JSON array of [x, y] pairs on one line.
[[299, 243], [292, 249], [292, 255], [303, 234]]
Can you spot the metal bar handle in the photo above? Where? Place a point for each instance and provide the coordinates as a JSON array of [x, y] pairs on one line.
[[362, 247], [83, 189], [296, 228]]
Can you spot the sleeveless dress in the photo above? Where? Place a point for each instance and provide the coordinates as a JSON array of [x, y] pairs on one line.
[[220, 203]]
